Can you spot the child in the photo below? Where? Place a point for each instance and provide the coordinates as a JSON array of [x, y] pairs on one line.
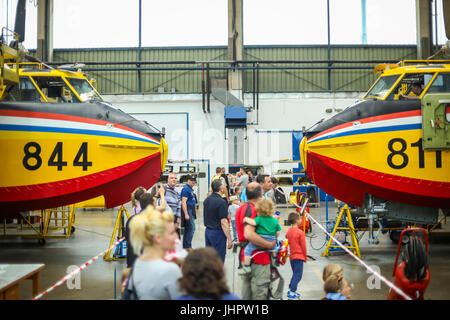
[[237, 192], [332, 269], [232, 215], [297, 256], [266, 226]]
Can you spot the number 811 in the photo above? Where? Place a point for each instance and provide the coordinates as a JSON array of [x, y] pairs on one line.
[[400, 153]]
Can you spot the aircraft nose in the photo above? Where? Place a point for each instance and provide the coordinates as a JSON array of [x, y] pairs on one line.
[[164, 153], [303, 151]]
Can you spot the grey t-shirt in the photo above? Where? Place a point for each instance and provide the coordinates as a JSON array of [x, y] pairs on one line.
[[156, 280], [232, 211], [244, 181]]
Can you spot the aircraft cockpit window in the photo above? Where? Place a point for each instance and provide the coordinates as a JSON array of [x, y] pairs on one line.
[[440, 84], [411, 86], [84, 89], [25, 91], [55, 89], [382, 87]]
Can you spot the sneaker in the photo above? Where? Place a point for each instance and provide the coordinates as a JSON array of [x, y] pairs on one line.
[[244, 271], [292, 295]]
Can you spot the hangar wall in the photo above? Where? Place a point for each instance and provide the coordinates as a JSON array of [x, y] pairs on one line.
[[192, 134], [172, 68]]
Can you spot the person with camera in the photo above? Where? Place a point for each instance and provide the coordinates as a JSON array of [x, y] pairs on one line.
[[158, 193]]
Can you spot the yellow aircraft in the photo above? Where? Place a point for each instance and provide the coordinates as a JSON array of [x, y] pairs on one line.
[[61, 143], [390, 152]]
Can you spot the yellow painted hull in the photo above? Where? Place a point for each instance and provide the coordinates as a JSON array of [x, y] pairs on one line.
[[52, 160], [382, 156]]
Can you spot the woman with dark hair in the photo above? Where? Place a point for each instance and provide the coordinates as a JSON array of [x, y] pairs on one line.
[[203, 277], [135, 197]]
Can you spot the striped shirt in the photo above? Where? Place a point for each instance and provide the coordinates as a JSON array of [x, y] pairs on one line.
[[173, 200]]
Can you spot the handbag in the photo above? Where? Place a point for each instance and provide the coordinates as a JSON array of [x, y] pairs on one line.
[[130, 293]]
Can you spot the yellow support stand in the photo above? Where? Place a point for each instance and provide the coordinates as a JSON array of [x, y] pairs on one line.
[[119, 227], [350, 228], [55, 223]]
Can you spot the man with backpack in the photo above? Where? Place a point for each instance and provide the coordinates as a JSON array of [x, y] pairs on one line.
[[255, 286]]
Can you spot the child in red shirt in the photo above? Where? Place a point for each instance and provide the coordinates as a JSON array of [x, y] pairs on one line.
[[297, 248]]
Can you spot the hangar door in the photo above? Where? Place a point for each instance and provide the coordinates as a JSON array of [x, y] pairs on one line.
[[177, 131]]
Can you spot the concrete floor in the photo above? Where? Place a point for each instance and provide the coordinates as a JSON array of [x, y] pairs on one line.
[[93, 234]]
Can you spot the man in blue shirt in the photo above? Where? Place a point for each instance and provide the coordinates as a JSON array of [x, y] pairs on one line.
[[215, 218], [188, 211]]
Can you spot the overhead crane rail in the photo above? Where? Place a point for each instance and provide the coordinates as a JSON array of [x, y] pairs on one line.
[[237, 62], [234, 65]]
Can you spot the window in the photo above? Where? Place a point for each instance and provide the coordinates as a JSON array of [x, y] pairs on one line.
[[84, 89], [25, 91], [55, 89], [382, 87], [405, 86], [440, 84]]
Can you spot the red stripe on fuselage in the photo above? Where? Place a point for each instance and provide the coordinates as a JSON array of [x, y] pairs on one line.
[[389, 116], [349, 183], [66, 187], [116, 192]]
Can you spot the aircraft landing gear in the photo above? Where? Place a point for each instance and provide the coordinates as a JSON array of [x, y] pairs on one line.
[[373, 237]]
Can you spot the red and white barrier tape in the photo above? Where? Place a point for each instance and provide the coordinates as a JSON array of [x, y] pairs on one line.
[[75, 272], [386, 281]]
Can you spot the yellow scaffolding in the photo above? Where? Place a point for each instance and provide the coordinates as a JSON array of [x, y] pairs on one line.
[[119, 227], [43, 224], [351, 228]]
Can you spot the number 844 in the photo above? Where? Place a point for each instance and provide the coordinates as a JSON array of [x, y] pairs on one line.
[[32, 150]]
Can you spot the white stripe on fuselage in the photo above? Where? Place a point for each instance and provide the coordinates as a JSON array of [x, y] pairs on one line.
[[53, 123], [357, 125]]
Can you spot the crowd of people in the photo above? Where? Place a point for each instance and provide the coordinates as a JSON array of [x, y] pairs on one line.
[[239, 212]]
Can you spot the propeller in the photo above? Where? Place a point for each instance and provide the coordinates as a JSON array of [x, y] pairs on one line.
[[19, 26], [446, 13], [19, 29]]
